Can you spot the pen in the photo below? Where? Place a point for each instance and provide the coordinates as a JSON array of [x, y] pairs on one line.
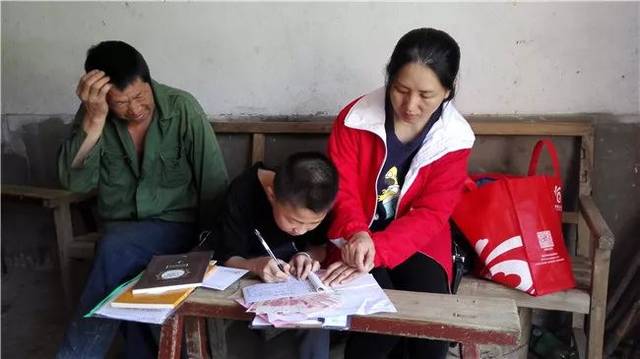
[[266, 247]]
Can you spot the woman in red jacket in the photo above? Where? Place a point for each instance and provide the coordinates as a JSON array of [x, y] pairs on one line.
[[401, 152]]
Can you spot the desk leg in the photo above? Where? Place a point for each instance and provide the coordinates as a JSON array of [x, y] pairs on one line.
[[469, 351], [64, 236], [171, 338], [196, 337]]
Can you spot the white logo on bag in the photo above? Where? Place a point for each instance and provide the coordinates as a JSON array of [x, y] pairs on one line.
[[507, 267], [557, 191]]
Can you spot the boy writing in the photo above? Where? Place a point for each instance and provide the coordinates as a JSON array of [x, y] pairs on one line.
[[288, 207]]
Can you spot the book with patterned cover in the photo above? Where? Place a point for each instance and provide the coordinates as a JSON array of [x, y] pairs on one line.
[[173, 272]]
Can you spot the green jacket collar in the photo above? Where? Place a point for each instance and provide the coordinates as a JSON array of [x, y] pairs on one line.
[[161, 98]]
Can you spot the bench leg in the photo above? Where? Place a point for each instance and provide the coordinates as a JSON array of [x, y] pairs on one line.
[[469, 351], [196, 337], [525, 333], [171, 338], [64, 236], [599, 283], [579, 338]]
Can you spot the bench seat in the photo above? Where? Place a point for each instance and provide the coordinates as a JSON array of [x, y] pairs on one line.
[[574, 300]]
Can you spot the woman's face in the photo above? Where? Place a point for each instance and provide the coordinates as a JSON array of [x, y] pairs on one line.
[[415, 93]]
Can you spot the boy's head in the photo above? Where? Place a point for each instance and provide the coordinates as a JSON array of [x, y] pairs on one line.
[[304, 189]]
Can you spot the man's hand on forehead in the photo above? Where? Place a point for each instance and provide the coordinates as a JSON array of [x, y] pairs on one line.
[[92, 90]]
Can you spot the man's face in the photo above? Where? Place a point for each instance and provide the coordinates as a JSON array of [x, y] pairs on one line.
[[135, 103], [294, 220]]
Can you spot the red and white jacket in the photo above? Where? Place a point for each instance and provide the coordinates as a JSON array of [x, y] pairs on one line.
[[431, 189]]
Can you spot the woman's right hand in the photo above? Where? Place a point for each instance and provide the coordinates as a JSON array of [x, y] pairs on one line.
[[359, 251], [92, 90], [267, 269]]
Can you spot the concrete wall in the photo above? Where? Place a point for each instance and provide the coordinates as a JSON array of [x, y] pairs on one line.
[[307, 58], [253, 59]]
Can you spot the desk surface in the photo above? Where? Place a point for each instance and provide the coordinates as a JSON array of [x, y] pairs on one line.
[[458, 318]]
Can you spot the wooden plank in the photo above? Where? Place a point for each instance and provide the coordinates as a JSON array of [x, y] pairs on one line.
[[318, 126], [50, 197], [573, 300], [83, 246], [582, 272], [455, 318], [583, 245], [64, 236], [257, 148], [482, 125], [171, 337], [624, 285], [580, 340], [597, 314], [601, 234], [196, 337], [570, 217], [621, 331]]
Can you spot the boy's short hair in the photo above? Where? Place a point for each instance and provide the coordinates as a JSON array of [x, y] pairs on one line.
[[308, 180], [120, 61]]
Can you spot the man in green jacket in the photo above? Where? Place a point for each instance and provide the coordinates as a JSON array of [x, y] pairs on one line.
[[154, 159]]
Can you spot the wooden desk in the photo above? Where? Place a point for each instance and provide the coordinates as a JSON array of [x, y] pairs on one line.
[[464, 319]]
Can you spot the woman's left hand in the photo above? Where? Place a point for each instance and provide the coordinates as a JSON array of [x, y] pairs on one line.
[[302, 264]]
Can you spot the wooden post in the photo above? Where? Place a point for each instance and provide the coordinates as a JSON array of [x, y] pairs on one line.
[[525, 332], [64, 236], [586, 167], [599, 281], [196, 337], [469, 351], [580, 339], [171, 338]]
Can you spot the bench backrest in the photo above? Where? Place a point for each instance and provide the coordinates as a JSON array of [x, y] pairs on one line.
[[504, 144]]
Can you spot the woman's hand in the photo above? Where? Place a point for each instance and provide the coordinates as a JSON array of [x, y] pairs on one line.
[[359, 252], [339, 273], [301, 264], [267, 269]]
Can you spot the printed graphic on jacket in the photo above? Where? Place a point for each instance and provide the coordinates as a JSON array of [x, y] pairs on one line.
[[388, 197]]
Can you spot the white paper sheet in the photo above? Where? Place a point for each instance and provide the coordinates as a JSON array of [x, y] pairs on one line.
[[153, 316], [338, 322], [223, 277]]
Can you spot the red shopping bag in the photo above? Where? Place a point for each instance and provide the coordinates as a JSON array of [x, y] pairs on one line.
[[514, 224]]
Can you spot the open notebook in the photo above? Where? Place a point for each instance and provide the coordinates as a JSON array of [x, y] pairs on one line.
[[291, 288]]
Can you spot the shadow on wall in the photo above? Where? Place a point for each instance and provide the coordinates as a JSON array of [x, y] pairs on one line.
[[29, 156], [30, 149]]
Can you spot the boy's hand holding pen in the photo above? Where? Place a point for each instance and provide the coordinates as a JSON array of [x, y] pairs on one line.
[[270, 269]]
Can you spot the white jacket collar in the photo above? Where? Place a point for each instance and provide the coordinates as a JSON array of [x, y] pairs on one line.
[[450, 133]]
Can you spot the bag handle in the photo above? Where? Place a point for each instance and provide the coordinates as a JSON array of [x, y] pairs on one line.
[[535, 156]]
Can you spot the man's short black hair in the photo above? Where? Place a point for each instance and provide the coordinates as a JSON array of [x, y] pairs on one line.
[[120, 61], [307, 180]]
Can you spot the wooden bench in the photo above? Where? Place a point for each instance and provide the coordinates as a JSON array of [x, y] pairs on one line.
[[69, 246], [464, 319], [590, 244]]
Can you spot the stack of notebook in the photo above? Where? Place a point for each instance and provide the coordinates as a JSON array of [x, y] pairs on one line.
[[167, 281]]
